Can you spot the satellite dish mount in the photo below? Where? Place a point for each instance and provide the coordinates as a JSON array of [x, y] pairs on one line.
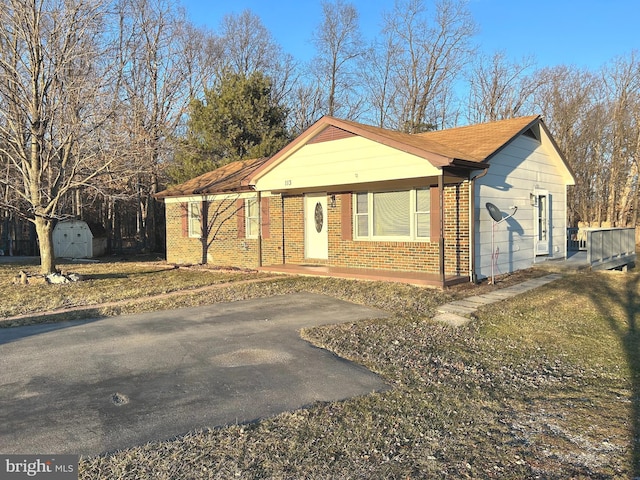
[[496, 216]]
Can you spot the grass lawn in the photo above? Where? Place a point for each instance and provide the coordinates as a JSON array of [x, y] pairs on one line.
[[545, 385], [106, 282]]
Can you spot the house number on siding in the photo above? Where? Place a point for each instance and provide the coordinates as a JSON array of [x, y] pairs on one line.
[[287, 183]]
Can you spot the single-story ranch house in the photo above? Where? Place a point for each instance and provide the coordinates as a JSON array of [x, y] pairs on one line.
[[348, 199]]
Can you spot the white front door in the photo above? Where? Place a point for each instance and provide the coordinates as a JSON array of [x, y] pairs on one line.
[[316, 235], [542, 222]]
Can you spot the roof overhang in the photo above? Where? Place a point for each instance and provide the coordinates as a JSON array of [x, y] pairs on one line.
[[435, 159]]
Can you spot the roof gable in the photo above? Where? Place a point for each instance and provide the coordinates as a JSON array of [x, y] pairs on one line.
[[469, 147], [329, 134]]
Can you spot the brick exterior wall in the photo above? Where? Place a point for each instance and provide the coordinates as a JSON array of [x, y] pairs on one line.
[[456, 229], [272, 245], [403, 256], [180, 248], [229, 250]]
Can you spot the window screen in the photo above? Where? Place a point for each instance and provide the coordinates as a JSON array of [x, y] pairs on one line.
[[252, 218], [362, 215], [194, 220], [391, 214], [423, 211]]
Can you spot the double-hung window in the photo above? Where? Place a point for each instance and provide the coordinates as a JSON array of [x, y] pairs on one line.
[[194, 215], [393, 215], [251, 217]]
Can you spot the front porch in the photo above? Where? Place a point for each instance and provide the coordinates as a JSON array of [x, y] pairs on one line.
[[412, 278], [602, 248]]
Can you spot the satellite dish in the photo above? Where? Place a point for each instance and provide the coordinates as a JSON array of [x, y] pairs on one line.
[[494, 211]]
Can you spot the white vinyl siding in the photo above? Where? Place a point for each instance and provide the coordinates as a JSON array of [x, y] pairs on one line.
[[515, 175], [342, 162], [394, 215]]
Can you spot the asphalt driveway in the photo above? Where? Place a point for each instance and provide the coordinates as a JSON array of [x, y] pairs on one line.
[[96, 386]]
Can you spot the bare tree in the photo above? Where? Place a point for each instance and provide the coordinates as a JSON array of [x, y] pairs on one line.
[[500, 89], [380, 85], [339, 44], [160, 69], [571, 102], [51, 86], [248, 47], [306, 106], [622, 81], [214, 216], [431, 53]]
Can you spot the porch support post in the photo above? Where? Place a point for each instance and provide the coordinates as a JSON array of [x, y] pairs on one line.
[[260, 220], [284, 254], [441, 240]]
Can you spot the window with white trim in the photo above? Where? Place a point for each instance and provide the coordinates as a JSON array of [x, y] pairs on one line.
[[251, 217], [423, 213], [393, 215], [195, 228]]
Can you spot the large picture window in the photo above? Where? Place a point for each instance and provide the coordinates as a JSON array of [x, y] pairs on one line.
[[393, 215]]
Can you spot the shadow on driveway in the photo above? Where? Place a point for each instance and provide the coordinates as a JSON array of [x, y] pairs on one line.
[[104, 385]]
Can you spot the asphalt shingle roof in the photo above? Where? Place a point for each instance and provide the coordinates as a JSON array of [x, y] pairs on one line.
[[478, 142], [227, 178], [474, 143]]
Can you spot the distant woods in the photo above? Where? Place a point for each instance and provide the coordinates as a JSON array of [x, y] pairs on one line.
[[104, 103]]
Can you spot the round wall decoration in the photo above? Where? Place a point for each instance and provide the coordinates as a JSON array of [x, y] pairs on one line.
[[319, 216]]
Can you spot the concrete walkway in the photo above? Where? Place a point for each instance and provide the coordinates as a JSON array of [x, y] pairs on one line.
[[459, 313]]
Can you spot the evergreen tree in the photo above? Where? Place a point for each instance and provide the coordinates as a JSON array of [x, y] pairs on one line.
[[238, 119]]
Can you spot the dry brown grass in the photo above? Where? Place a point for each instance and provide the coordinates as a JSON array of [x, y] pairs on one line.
[[545, 385], [104, 283]]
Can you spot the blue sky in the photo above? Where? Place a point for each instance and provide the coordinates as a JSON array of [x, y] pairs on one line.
[[584, 33]]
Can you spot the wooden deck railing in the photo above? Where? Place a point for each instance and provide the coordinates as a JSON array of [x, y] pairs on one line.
[[610, 246], [576, 240]]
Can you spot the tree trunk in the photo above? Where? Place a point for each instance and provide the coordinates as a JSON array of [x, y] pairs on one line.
[[151, 222], [44, 230]]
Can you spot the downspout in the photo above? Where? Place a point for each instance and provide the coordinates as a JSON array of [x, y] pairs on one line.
[[441, 240], [472, 225]]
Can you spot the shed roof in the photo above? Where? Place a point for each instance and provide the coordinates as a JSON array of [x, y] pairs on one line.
[[228, 178]]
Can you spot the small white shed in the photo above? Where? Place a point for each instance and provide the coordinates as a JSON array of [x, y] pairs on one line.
[[76, 239]]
